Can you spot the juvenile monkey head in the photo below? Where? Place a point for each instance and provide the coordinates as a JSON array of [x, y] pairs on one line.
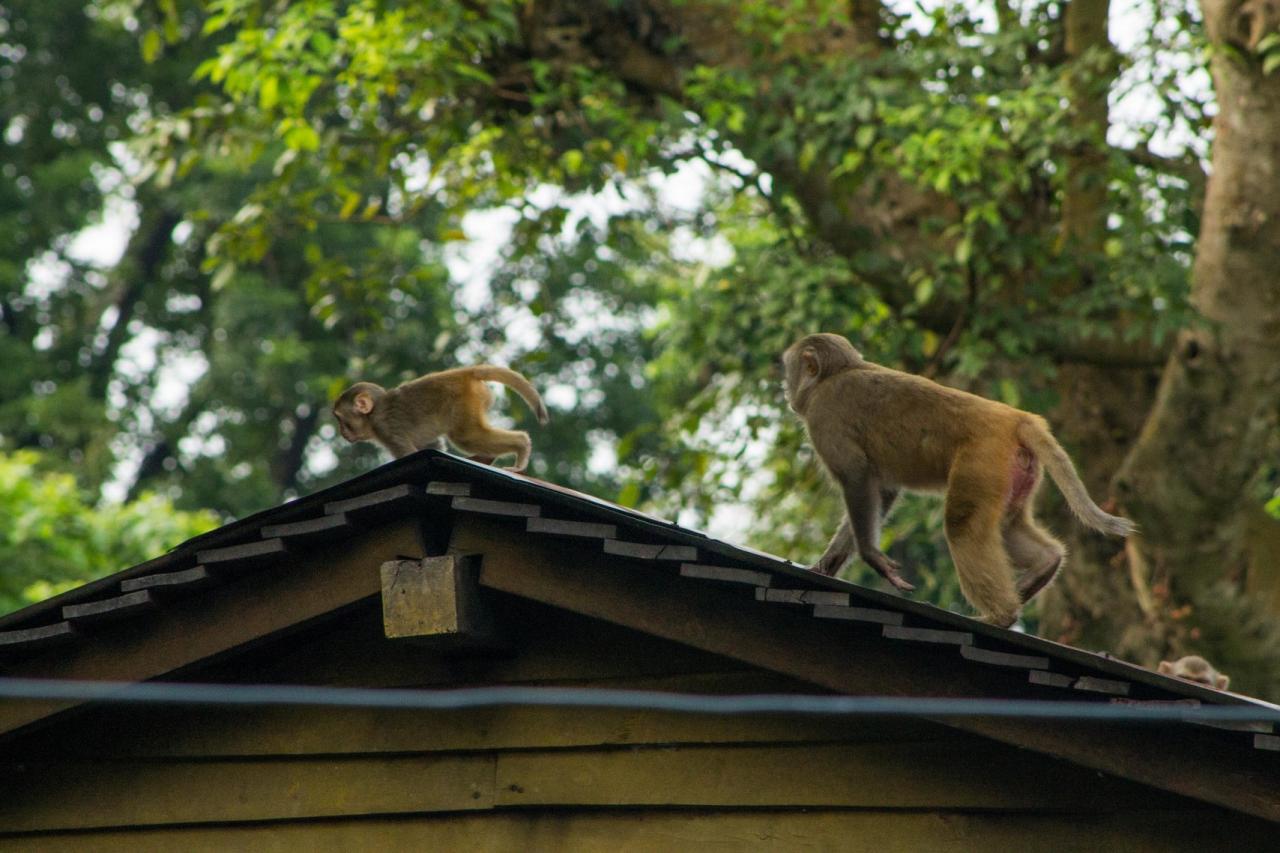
[[353, 409], [1194, 668], [810, 360]]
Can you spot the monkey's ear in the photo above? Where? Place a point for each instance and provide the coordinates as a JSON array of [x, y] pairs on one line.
[[810, 360], [1165, 668], [363, 403], [1222, 681]]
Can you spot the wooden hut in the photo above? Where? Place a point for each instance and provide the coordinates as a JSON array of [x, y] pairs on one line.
[[433, 572]]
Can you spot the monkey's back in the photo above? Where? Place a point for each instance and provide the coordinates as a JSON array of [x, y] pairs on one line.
[[909, 427]]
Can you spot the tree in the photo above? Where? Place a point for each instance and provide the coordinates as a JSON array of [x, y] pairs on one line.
[[56, 537], [945, 187]]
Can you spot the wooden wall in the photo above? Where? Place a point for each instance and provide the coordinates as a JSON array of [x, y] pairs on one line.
[[545, 779]]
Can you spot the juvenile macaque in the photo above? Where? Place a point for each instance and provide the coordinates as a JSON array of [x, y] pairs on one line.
[[421, 413], [1194, 668], [879, 430]]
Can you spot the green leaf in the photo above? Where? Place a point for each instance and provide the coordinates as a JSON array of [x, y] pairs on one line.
[[152, 44]]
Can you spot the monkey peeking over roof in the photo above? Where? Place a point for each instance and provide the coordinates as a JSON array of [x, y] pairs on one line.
[[1194, 668]]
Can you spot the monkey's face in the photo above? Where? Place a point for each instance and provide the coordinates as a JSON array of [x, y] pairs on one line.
[[353, 425]]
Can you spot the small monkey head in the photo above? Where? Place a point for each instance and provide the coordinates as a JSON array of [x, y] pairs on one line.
[[812, 359], [1194, 668], [353, 408]]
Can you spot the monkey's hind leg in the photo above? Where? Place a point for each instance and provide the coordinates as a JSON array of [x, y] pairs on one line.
[[484, 440], [973, 514], [1036, 556]]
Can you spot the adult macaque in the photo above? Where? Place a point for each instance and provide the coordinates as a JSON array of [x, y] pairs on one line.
[[1194, 668], [879, 430], [450, 404]]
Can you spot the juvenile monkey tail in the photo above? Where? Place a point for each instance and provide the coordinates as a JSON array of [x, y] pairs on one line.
[[1034, 434], [517, 383]]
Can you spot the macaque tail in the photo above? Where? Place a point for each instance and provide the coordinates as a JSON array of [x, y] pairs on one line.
[[517, 383], [1035, 435]]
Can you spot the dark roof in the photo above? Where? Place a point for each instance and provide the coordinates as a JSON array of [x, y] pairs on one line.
[[438, 486]]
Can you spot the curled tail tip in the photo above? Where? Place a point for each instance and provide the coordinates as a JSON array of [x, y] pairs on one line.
[[543, 417]]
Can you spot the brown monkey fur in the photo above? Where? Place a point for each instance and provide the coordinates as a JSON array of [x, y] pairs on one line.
[[879, 430], [1194, 668], [421, 413]]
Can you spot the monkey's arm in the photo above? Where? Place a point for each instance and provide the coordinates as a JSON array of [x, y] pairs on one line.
[[862, 498]]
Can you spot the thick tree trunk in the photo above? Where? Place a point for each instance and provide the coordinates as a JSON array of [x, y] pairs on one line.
[[1188, 480]]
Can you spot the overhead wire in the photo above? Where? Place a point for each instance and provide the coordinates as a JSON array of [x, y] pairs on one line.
[[452, 699]]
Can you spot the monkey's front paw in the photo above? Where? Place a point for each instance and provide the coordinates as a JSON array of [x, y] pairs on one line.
[[514, 470], [888, 569]]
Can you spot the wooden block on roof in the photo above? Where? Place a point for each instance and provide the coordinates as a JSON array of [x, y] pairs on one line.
[[383, 502], [488, 507], [725, 574], [561, 527], [243, 556], [440, 487], [1268, 742], [325, 528], [437, 601], [32, 638], [870, 615], [1101, 685], [184, 581], [129, 604], [974, 653], [927, 635], [1049, 679], [803, 596], [651, 551]]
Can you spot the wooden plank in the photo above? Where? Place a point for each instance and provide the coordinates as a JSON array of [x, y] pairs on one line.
[[233, 615], [725, 574], [1109, 686], [856, 776], [86, 795], [187, 580], [1050, 679], [561, 527], [804, 596], [380, 504], [845, 661], [239, 557], [119, 607], [152, 733], [926, 635], [312, 531], [439, 487], [870, 615], [488, 507], [650, 551], [974, 653], [1172, 830], [34, 638]]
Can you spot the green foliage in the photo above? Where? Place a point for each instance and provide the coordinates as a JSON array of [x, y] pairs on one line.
[[56, 536], [308, 172]]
